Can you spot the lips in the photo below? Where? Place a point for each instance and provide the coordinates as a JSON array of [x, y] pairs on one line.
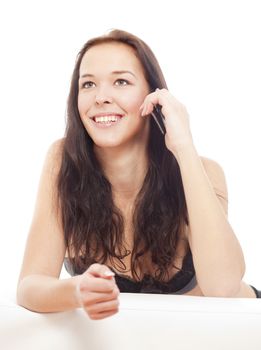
[[106, 118]]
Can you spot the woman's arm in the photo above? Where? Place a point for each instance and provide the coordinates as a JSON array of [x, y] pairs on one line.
[[42, 293], [217, 255], [39, 287]]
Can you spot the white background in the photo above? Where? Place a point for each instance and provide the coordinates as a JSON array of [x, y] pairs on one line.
[[210, 54]]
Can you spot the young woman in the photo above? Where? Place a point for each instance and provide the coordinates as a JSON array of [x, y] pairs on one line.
[[124, 200]]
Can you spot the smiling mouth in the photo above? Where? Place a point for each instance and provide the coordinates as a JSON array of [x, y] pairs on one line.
[[107, 119]]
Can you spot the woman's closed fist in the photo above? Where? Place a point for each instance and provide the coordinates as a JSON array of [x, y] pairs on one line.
[[97, 292]]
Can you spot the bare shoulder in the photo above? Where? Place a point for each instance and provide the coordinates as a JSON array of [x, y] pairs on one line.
[[212, 167], [54, 152], [52, 162], [57, 145], [217, 178]]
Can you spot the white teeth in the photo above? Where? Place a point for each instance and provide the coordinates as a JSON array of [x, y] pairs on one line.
[[106, 119]]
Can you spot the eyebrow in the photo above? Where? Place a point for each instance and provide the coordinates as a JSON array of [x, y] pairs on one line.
[[116, 72]]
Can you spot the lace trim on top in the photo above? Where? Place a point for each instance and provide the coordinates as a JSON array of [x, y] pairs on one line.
[[182, 282]]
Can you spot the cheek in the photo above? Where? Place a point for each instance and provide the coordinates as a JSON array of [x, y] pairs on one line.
[[132, 103], [83, 105]]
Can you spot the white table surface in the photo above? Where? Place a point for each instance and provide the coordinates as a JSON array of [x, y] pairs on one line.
[[145, 321]]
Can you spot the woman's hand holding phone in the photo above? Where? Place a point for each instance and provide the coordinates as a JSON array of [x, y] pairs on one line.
[[175, 118]]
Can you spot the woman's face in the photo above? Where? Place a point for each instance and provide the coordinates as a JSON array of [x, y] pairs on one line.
[[112, 88]]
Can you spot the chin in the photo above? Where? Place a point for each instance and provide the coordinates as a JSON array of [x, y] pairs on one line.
[[120, 139], [109, 143]]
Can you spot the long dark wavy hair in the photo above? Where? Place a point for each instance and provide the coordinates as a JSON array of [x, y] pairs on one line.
[[93, 225]]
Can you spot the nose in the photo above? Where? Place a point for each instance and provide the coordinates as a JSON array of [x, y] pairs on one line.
[[102, 97]]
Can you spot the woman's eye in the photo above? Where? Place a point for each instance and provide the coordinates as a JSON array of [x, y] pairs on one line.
[[121, 82], [87, 84]]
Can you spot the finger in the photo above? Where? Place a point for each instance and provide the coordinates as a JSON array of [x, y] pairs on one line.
[[99, 270], [108, 306], [102, 315], [150, 102], [141, 107], [148, 108], [90, 298], [90, 283]]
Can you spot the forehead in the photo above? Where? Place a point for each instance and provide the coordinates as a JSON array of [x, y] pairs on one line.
[[110, 56]]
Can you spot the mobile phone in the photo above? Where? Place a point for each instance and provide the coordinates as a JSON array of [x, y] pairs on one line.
[[159, 118]]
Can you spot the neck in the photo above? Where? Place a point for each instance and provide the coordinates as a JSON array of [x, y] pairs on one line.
[[124, 168]]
